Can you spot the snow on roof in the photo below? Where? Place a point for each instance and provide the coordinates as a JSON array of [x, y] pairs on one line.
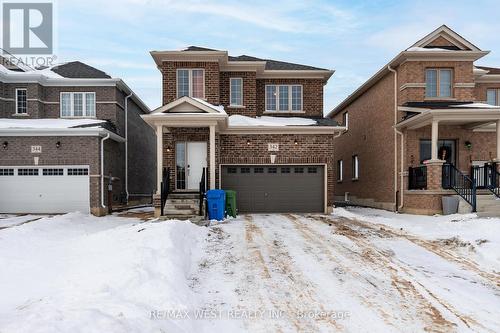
[[219, 108], [48, 123], [239, 120], [477, 106], [425, 49], [47, 72]]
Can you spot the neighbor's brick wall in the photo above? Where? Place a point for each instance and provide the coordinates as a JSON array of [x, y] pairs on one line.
[[312, 99], [249, 93], [252, 149], [370, 136], [481, 88], [169, 79], [414, 72]]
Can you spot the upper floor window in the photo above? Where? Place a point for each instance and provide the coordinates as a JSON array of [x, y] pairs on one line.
[[355, 167], [345, 120], [236, 91], [21, 101], [77, 104], [191, 82], [340, 170], [492, 96], [284, 98], [438, 83]]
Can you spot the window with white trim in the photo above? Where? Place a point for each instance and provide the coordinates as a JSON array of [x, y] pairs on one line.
[[236, 91], [340, 170], [438, 83], [345, 120], [21, 101], [283, 98], [355, 167], [191, 82], [77, 104], [492, 96]]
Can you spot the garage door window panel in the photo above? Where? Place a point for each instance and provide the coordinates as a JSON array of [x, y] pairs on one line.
[[27, 172]]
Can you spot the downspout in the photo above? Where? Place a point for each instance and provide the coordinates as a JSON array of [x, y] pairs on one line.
[[396, 133], [126, 144], [102, 169]]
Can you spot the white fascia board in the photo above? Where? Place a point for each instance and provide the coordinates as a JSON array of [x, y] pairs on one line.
[[60, 132]]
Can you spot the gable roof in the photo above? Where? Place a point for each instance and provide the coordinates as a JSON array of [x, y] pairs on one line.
[[418, 50], [79, 70], [445, 32], [188, 104], [197, 48]]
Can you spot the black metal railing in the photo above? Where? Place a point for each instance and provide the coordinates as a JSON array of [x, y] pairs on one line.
[[465, 186], [417, 178], [165, 188], [481, 174], [203, 190], [493, 179]]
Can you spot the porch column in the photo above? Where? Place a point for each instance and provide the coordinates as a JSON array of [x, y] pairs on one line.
[[497, 158], [159, 158], [212, 157], [434, 140]]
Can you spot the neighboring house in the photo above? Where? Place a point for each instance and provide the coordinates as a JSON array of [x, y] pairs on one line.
[[253, 125], [421, 128], [63, 131]]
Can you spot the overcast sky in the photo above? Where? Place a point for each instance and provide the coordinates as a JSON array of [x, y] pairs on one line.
[[354, 38]]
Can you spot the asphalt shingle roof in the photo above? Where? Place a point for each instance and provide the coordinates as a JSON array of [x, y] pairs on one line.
[[492, 70], [79, 70], [275, 64]]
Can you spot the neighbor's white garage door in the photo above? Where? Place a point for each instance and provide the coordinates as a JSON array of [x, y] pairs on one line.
[[57, 189]]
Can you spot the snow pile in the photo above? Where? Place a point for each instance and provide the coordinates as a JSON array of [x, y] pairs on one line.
[[424, 49], [480, 235], [79, 273], [239, 120], [478, 106], [55, 123], [219, 108]]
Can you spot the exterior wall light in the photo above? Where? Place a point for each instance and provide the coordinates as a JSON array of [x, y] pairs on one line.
[[5, 145], [248, 142], [58, 144]]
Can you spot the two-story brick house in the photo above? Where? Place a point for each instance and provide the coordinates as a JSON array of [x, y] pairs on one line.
[[423, 127], [64, 131], [254, 125]]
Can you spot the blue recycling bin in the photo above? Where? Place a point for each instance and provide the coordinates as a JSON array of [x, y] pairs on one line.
[[216, 204]]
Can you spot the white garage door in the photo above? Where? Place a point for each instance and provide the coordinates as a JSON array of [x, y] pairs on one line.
[[55, 189]]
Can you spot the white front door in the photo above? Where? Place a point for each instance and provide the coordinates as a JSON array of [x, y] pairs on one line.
[[196, 161]]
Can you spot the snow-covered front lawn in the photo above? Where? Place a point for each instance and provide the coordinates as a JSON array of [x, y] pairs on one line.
[[358, 270]]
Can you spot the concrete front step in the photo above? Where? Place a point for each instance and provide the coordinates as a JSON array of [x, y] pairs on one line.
[[196, 219], [180, 195], [173, 211]]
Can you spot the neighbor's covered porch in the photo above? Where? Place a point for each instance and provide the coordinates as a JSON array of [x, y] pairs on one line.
[[450, 151]]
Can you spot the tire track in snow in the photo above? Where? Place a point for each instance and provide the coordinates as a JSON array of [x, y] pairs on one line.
[[296, 285], [379, 260], [408, 285]]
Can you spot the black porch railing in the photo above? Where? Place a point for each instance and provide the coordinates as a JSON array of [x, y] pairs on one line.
[[165, 188], [465, 186], [417, 178], [203, 191], [493, 179]]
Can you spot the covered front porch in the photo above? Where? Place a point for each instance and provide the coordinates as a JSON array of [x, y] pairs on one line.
[[451, 151], [186, 135]]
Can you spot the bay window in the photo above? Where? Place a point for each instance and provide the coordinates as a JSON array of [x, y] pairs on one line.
[[77, 104], [191, 82], [284, 98], [438, 83]]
